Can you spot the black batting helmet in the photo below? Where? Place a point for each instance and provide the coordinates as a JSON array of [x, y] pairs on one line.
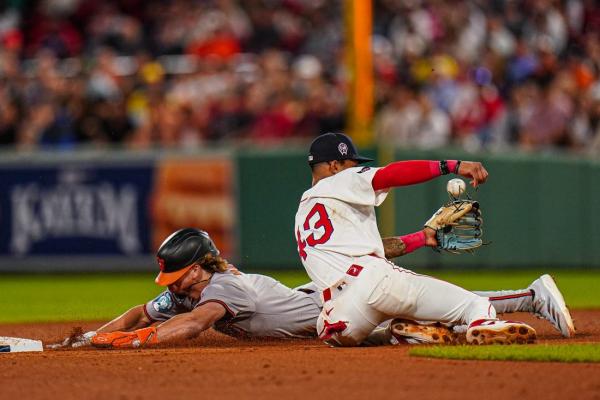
[[178, 253]]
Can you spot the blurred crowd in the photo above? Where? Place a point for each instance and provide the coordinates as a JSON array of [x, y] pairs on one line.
[[478, 74], [489, 74]]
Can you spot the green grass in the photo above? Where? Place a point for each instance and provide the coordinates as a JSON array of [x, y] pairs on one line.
[[72, 297], [84, 297], [79, 297], [564, 353], [581, 289]]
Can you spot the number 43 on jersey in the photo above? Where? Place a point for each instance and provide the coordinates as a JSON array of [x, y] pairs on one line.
[[316, 220]]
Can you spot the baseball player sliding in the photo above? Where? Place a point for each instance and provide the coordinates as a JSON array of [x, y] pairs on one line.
[[204, 291], [343, 254]]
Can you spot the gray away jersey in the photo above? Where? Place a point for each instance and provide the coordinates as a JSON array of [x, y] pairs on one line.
[[256, 305]]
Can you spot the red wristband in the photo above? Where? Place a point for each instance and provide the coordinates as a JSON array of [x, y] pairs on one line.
[[413, 241], [452, 166]]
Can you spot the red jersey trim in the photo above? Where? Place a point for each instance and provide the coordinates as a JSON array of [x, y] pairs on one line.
[[148, 315], [511, 296]]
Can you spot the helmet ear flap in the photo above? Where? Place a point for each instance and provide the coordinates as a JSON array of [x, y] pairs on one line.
[[209, 246]]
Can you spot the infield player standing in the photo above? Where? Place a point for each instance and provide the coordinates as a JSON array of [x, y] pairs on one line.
[[341, 249]]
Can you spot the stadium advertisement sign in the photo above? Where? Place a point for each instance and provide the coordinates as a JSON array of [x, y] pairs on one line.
[[196, 192], [97, 209], [74, 209]]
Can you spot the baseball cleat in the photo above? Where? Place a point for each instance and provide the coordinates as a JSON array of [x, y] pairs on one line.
[[549, 304], [486, 331], [412, 332]]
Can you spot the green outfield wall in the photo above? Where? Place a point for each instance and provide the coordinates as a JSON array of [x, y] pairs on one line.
[[539, 210], [97, 211], [270, 185]]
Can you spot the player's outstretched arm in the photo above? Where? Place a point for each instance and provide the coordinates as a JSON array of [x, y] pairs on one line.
[[410, 172], [190, 325], [403, 173], [132, 319], [398, 246], [181, 327]]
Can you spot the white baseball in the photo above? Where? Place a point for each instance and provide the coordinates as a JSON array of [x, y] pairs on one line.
[[456, 187]]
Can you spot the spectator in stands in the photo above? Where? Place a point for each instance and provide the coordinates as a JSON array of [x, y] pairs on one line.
[[184, 73]]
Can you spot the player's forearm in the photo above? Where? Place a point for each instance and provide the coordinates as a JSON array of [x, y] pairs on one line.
[[189, 325], [178, 328], [393, 247], [398, 246], [403, 173], [132, 319], [181, 327]]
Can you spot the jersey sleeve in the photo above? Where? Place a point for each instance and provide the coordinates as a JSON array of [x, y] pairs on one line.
[[353, 185], [230, 293], [162, 308]]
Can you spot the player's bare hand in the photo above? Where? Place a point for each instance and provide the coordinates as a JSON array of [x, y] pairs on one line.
[[474, 171], [75, 340]]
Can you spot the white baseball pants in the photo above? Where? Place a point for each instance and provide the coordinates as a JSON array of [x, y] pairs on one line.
[[375, 290]]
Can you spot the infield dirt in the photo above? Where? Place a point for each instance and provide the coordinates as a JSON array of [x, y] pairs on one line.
[[218, 367]]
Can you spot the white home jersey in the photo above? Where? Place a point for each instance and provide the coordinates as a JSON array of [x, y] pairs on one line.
[[336, 222]]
